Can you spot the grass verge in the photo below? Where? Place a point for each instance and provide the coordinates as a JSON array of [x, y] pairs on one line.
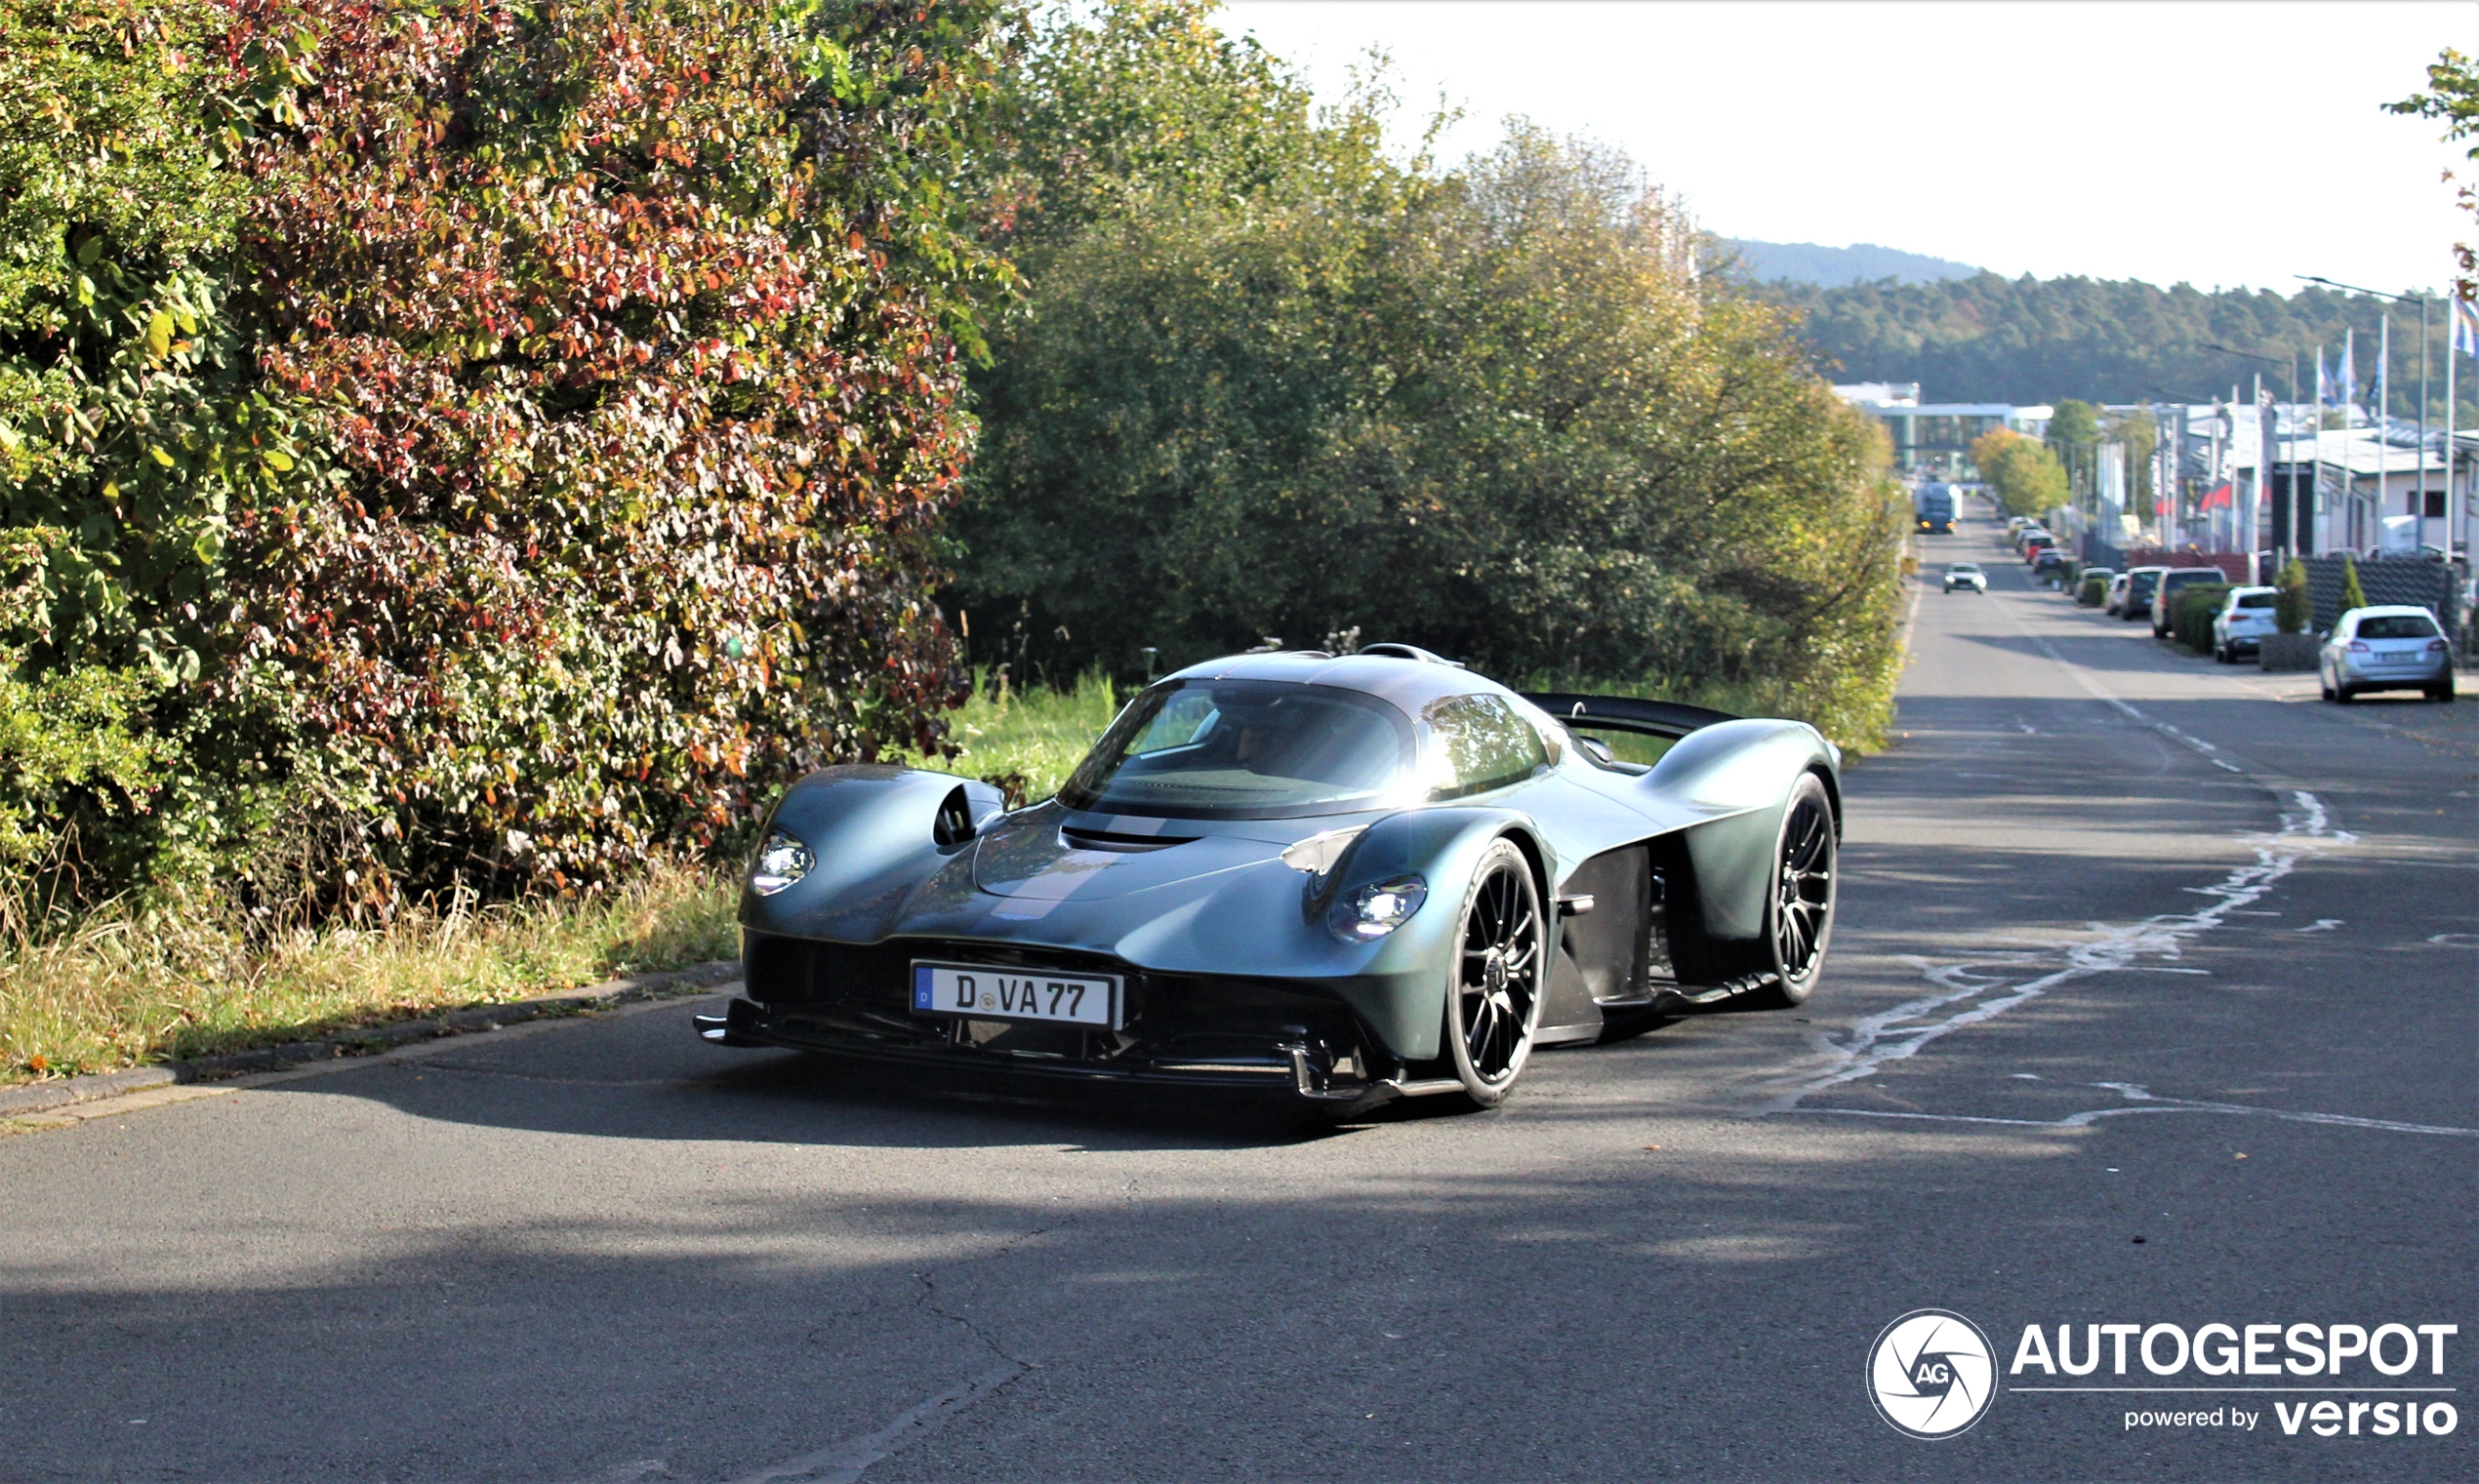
[[1028, 742], [126, 988]]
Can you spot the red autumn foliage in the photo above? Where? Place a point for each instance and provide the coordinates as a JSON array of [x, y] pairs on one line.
[[638, 429]]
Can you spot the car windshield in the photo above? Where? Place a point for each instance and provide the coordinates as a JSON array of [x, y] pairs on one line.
[[2397, 626], [1246, 750], [2191, 576], [2141, 581], [2255, 600], [1964, 569]]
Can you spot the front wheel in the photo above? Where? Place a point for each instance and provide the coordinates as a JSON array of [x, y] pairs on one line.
[[1494, 993], [1798, 910]]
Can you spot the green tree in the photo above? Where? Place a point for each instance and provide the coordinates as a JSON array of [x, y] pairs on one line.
[[2029, 478], [2352, 594], [1274, 382], [1988, 338], [2293, 610], [2453, 81]]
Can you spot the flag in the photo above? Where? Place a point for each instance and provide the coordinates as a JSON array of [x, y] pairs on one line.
[[2323, 380], [2383, 402], [2347, 392], [2466, 327]]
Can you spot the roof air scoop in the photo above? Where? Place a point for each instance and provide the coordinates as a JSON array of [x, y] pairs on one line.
[[1408, 651]]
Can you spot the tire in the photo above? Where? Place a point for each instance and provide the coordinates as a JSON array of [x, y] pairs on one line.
[[2443, 693], [2345, 695], [2325, 685], [1799, 906], [1494, 989]]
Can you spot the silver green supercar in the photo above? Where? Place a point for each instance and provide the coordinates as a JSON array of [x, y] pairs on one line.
[[1342, 879]]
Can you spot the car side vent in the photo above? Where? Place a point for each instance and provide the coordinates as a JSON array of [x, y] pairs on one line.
[[955, 822]]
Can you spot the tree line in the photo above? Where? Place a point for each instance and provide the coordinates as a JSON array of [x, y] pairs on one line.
[[472, 446], [2029, 340]]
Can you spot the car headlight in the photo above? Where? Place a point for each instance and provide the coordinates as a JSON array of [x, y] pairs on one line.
[[781, 862], [1375, 910]]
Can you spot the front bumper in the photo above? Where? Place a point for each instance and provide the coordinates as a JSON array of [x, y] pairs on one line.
[[1293, 1039]]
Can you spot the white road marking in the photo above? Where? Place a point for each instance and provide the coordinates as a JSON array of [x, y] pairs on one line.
[[843, 1463], [2140, 1101], [2456, 940], [2320, 925], [1975, 991]]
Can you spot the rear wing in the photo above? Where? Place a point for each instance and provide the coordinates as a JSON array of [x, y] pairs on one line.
[[1625, 713]]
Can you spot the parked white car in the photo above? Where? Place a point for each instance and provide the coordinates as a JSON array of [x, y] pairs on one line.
[[2392, 648], [1965, 576], [2239, 628]]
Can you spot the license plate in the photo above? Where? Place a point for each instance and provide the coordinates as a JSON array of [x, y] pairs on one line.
[[987, 993]]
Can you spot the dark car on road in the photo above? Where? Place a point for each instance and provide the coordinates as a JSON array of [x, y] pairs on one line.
[[2136, 601], [2173, 581]]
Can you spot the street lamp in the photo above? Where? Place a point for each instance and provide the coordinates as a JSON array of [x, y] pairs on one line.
[[2421, 477]]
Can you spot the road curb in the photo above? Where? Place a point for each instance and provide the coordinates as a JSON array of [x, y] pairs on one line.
[[64, 1092]]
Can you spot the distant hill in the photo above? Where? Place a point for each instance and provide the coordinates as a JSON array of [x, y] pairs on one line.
[[1831, 266], [1986, 339]]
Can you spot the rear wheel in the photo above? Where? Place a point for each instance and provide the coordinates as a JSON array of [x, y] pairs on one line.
[[2443, 693], [1493, 1000], [1798, 910]]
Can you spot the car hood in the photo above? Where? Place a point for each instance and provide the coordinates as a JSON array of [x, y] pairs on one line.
[[1052, 853]]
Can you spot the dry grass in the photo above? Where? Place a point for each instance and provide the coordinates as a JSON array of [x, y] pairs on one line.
[[125, 988]]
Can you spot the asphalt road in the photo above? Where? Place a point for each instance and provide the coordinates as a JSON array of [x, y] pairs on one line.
[[2152, 1001]]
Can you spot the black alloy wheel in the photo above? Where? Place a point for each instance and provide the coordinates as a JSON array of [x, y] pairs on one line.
[[1799, 911], [1493, 1002]]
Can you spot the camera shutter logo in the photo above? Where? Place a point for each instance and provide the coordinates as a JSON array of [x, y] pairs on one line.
[[1932, 1374]]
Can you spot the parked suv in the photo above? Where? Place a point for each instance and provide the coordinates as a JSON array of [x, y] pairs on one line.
[[2134, 600], [2239, 628], [2165, 595], [2394, 648]]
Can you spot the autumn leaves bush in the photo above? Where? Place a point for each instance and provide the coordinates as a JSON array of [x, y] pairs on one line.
[[496, 442]]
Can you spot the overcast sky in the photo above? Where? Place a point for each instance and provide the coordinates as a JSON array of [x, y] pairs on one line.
[[2217, 144]]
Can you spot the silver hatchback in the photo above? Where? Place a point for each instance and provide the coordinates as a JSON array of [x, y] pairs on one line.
[[2393, 648]]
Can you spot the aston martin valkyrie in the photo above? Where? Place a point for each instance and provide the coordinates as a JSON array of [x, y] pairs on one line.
[[1342, 879]]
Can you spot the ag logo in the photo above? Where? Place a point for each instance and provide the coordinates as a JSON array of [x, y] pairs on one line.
[[1932, 1374]]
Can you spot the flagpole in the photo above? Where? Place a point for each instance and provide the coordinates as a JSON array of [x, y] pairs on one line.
[[2383, 415], [2453, 333], [2350, 511], [2307, 548]]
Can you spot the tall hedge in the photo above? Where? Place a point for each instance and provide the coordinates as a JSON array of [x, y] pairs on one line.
[[572, 398]]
